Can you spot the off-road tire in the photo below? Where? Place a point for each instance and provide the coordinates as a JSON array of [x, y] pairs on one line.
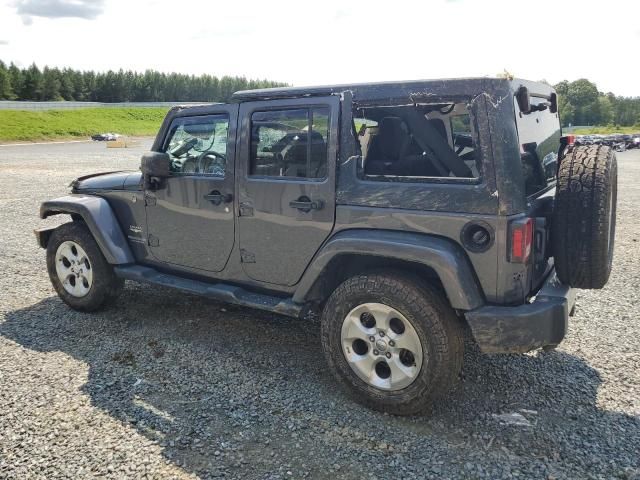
[[584, 218], [436, 323], [105, 287]]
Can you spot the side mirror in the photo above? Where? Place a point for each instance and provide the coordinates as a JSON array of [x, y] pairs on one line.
[[523, 99], [155, 166]]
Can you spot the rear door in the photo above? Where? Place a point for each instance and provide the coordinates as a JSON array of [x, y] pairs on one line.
[[539, 136], [190, 216], [286, 184]]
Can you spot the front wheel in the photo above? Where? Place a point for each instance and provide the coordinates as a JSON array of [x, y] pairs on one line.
[[392, 341], [80, 274]]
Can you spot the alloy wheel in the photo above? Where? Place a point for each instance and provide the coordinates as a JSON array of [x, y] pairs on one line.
[[381, 346], [74, 269]]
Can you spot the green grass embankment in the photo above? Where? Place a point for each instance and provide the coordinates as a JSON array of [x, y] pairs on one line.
[[605, 130], [23, 125]]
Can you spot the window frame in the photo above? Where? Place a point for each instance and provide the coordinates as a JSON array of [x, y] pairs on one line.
[[181, 119], [280, 108], [421, 180]]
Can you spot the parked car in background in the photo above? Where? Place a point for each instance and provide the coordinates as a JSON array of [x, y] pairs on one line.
[[105, 137], [584, 140], [618, 141]]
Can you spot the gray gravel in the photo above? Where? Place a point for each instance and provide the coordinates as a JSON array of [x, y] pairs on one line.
[[166, 385]]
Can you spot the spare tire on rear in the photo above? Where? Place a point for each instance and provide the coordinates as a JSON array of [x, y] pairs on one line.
[[584, 218]]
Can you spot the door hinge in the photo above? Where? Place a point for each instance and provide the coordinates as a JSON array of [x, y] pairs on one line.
[[247, 257], [154, 241], [149, 200]]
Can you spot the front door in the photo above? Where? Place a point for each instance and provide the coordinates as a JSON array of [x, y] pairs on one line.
[[286, 185], [190, 216]]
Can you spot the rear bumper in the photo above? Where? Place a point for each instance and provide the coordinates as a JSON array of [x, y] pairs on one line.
[[541, 323]]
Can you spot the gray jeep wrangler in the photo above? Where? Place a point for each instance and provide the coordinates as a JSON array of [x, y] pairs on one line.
[[403, 212]]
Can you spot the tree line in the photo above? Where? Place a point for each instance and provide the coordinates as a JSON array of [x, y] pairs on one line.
[[54, 84], [581, 103]]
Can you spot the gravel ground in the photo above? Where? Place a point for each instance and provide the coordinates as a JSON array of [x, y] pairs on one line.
[[166, 385]]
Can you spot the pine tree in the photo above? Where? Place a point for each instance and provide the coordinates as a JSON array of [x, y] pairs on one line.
[[17, 81], [6, 91], [32, 86], [66, 84], [51, 84]]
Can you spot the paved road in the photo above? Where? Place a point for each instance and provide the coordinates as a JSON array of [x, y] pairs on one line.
[[166, 385]]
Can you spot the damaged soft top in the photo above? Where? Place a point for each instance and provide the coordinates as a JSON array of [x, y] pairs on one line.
[[414, 91]]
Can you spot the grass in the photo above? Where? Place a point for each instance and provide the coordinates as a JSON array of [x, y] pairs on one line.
[[605, 130], [23, 125], [16, 125]]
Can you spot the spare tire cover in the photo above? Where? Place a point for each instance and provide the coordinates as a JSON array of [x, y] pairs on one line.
[[584, 217]]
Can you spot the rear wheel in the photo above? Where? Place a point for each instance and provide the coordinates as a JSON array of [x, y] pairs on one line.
[[81, 276], [392, 341], [584, 219]]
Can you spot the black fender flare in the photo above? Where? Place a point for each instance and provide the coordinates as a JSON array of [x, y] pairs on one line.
[[446, 258], [101, 221]]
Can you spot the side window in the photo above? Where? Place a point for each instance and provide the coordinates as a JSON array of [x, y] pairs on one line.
[[417, 141], [290, 143], [198, 145]]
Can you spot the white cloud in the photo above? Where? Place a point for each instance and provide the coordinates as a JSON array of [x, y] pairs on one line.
[[86, 9], [335, 41]]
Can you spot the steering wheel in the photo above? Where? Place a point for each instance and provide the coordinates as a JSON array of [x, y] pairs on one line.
[[215, 166]]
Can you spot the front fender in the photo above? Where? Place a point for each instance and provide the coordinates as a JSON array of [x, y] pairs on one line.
[[446, 258], [101, 221]]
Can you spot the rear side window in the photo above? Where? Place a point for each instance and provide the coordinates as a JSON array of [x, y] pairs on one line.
[[414, 142], [539, 135], [290, 143]]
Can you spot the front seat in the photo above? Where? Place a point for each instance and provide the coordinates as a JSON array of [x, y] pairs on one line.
[[388, 147]]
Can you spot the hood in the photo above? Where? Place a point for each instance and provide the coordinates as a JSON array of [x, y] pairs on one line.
[[108, 181]]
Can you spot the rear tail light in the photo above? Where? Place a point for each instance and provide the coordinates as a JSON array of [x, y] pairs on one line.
[[521, 240], [569, 139]]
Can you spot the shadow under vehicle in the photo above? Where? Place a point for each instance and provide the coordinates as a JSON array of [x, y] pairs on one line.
[[138, 362]]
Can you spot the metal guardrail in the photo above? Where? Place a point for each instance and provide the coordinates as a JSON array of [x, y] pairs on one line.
[[23, 105]]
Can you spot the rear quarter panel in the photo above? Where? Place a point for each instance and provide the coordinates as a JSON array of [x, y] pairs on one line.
[[438, 208]]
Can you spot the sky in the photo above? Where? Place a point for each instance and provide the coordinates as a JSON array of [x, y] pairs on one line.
[[333, 41]]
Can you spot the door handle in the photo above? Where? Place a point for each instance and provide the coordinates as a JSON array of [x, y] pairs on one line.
[[305, 204], [217, 198]]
